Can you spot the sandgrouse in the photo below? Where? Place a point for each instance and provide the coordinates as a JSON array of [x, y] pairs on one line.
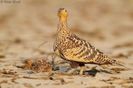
[[74, 49]]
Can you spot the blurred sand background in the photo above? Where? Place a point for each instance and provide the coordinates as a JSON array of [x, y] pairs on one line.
[[24, 25]]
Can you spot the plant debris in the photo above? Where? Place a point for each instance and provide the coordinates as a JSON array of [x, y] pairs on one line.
[[37, 64]]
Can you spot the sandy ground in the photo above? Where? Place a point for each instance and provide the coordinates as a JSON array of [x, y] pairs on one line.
[[24, 25]]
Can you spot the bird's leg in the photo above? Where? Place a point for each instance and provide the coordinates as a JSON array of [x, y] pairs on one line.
[[74, 64], [74, 68], [82, 68], [77, 68]]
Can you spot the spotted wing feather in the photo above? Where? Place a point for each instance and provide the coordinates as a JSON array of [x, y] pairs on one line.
[[83, 51]]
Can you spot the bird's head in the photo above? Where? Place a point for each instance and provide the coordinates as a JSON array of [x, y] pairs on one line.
[[62, 14]]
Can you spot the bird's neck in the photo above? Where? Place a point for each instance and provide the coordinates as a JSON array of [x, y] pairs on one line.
[[63, 29], [62, 26]]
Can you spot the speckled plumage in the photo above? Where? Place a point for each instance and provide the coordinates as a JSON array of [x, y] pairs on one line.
[[70, 47]]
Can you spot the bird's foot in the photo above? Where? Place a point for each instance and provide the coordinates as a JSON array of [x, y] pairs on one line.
[[74, 71]]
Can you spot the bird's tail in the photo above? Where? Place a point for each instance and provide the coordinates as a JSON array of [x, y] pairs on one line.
[[116, 62]]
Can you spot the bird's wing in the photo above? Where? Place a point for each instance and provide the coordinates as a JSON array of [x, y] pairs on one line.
[[80, 51]]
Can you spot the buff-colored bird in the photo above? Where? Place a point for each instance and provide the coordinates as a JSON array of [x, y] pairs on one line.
[[74, 49]]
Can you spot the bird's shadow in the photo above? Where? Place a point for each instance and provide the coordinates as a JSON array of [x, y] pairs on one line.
[[93, 72], [89, 72]]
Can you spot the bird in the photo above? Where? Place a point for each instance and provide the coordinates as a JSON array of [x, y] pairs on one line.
[[76, 50]]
